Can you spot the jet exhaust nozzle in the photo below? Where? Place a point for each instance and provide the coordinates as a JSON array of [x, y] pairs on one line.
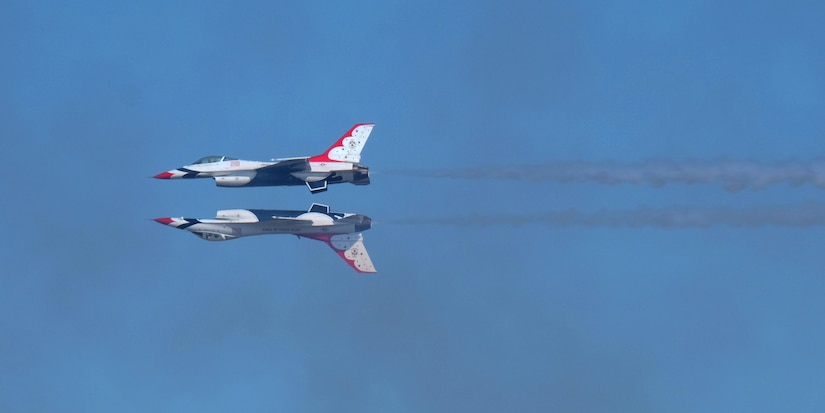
[[363, 224], [361, 175]]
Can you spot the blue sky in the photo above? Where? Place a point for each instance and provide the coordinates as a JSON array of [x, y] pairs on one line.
[[102, 309]]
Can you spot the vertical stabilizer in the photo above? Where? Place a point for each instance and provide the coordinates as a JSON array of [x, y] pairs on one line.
[[348, 148], [350, 247]]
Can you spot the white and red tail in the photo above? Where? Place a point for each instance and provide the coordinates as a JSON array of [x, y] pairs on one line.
[[350, 247], [348, 148]]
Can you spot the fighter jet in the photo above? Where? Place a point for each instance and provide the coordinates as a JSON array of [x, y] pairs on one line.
[[340, 163], [341, 231]]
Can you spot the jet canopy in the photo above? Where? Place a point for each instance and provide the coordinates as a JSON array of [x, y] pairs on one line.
[[213, 159]]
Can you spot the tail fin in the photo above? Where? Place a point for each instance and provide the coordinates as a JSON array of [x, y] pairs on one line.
[[350, 247], [348, 147]]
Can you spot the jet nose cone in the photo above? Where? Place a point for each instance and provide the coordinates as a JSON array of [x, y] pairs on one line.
[[164, 175], [164, 221]]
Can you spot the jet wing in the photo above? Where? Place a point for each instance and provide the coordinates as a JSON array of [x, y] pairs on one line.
[[351, 248], [286, 166], [282, 172]]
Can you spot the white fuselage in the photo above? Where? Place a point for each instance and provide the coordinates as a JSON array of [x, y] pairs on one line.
[[338, 164], [231, 224], [317, 171], [237, 230], [340, 230]]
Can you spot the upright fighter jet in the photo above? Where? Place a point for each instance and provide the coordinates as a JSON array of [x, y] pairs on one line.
[[340, 163], [341, 231]]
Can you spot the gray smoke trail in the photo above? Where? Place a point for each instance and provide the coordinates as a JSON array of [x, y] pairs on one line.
[[802, 216], [732, 175]]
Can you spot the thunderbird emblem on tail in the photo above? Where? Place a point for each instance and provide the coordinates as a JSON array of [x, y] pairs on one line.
[[340, 163], [341, 231]]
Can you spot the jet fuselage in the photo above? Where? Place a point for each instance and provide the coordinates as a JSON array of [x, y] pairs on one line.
[[341, 231]]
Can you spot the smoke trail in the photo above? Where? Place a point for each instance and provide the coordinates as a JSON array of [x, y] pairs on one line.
[[801, 216], [732, 175]]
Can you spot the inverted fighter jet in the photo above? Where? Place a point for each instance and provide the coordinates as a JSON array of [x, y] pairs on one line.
[[340, 163], [341, 231]]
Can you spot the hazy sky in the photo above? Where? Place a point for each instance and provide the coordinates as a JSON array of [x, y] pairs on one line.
[[499, 288]]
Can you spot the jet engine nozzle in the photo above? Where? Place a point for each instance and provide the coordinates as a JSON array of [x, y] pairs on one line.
[[363, 224], [361, 175]]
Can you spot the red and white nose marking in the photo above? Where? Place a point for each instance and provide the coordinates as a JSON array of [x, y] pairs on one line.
[[173, 174], [174, 222]]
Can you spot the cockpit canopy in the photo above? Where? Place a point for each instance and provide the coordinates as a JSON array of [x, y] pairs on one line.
[[213, 159]]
